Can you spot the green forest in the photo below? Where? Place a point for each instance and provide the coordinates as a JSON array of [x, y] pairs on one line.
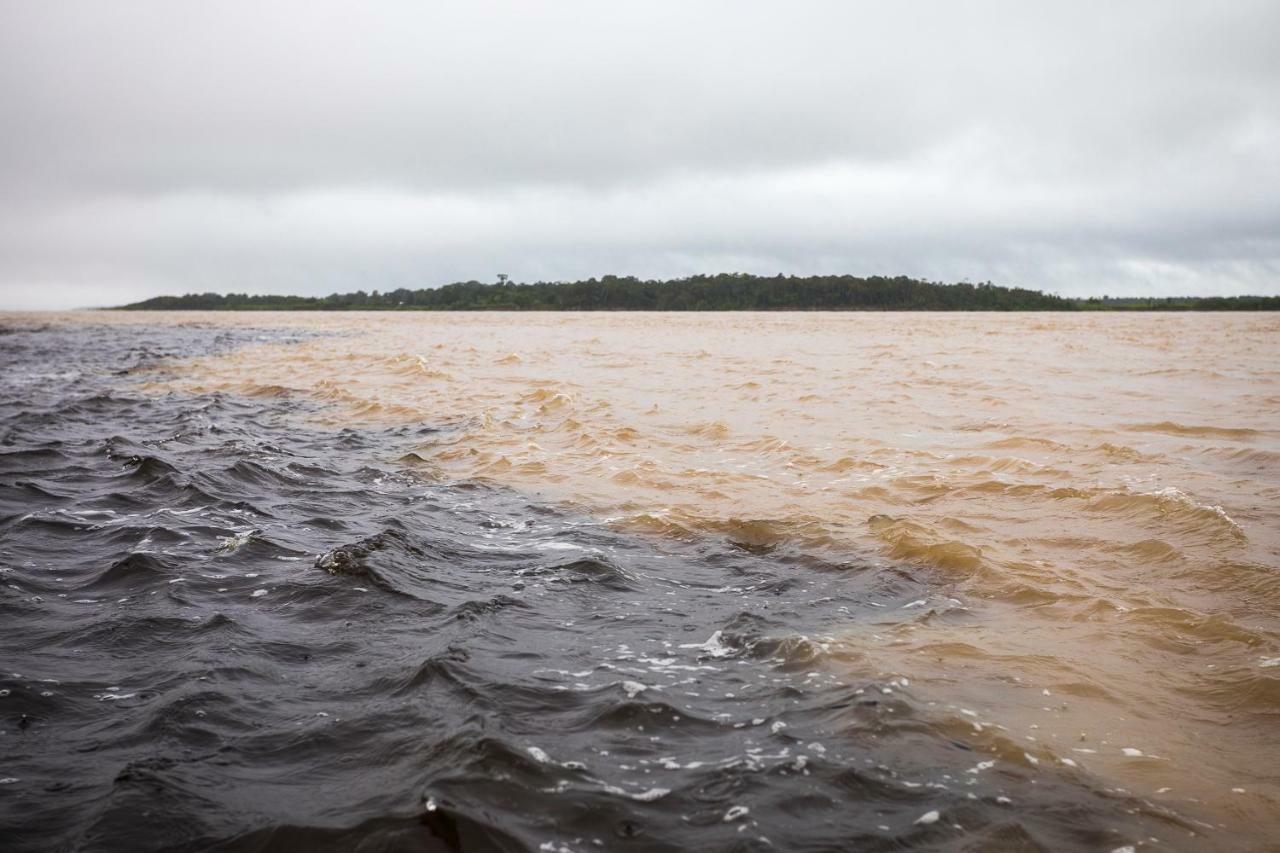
[[725, 292]]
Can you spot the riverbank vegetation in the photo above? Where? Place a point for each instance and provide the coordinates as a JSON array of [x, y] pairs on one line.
[[724, 292]]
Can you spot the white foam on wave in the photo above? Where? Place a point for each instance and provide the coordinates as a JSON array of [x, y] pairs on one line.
[[646, 796], [1172, 493], [713, 646], [113, 697]]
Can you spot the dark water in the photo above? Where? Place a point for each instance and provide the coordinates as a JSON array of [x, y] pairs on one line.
[[222, 629]]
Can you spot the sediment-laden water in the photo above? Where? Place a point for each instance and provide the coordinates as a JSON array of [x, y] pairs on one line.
[[639, 582]]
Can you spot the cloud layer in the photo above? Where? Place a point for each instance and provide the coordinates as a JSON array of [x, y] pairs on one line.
[[308, 147]]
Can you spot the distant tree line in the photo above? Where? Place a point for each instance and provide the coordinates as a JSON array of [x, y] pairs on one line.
[[1180, 303], [725, 292]]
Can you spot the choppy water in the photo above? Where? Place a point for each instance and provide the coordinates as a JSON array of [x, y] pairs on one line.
[[494, 582]]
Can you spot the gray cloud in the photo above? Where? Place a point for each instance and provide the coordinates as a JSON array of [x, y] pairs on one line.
[[307, 147]]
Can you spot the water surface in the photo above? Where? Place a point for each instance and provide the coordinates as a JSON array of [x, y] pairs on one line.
[[622, 581]]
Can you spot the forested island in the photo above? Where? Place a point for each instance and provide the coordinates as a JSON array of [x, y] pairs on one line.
[[725, 292]]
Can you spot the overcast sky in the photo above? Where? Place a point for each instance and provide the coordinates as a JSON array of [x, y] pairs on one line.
[[308, 147]]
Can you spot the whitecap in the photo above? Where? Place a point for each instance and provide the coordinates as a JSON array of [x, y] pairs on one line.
[[643, 796], [713, 646], [635, 688]]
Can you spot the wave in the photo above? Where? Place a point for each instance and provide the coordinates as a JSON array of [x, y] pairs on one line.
[[1194, 430], [915, 543], [1170, 506], [591, 570], [758, 535], [360, 560]]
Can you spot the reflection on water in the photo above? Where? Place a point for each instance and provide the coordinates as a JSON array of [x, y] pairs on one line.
[[1090, 503]]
